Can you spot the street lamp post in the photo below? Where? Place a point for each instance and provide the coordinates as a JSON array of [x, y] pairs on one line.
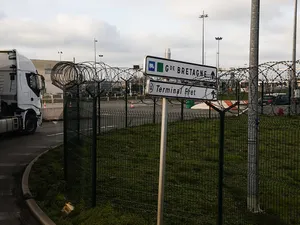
[[203, 16], [294, 72], [218, 52], [99, 103], [100, 56], [95, 52], [60, 53]]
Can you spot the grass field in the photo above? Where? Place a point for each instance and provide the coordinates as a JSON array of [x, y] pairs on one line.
[[127, 175]]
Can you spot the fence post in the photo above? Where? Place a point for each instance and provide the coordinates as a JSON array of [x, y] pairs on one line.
[[221, 167], [221, 158], [78, 113], [95, 94], [296, 106], [290, 96], [182, 104], [94, 151], [154, 109], [126, 108], [262, 97], [65, 122], [99, 125], [237, 92]]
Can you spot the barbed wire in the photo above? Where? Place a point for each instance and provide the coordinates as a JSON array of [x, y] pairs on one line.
[[274, 78]]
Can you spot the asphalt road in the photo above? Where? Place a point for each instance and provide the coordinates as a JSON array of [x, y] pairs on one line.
[[16, 152]]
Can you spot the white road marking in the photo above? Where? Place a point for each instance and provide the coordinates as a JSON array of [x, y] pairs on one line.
[[8, 164], [51, 135], [22, 154], [61, 133], [12, 164]]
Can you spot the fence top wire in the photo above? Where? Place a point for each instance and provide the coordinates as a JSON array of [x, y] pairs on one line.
[[274, 78], [274, 75], [65, 74]]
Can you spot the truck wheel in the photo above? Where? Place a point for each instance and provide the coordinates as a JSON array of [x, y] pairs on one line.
[[30, 124]]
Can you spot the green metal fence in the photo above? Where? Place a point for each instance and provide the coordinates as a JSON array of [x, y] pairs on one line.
[[112, 156], [128, 163]]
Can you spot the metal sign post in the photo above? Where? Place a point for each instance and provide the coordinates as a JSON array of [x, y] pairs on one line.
[[162, 163], [168, 69]]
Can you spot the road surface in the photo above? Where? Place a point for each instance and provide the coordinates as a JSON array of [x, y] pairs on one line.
[[15, 153]]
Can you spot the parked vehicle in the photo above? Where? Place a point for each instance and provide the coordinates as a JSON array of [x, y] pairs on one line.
[[281, 100], [20, 93], [267, 100]]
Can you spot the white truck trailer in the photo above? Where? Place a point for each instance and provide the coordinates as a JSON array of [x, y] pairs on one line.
[[20, 93]]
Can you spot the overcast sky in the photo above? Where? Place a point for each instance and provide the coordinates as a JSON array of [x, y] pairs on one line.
[[128, 30]]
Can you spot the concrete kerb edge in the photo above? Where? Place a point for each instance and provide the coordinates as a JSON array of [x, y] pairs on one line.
[[30, 202]]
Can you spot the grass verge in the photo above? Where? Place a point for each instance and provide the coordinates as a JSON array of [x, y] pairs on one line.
[[127, 175]]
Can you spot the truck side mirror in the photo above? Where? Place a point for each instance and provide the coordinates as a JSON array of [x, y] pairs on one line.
[[41, 82], [31, 80], [36, 82]]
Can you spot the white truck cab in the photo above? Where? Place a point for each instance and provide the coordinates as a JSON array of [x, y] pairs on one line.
[[20, 93]]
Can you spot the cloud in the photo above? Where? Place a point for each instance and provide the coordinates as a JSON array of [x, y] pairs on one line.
[[128, 30], [2, 15], [63, 31], [68, 32], [235, 11]]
